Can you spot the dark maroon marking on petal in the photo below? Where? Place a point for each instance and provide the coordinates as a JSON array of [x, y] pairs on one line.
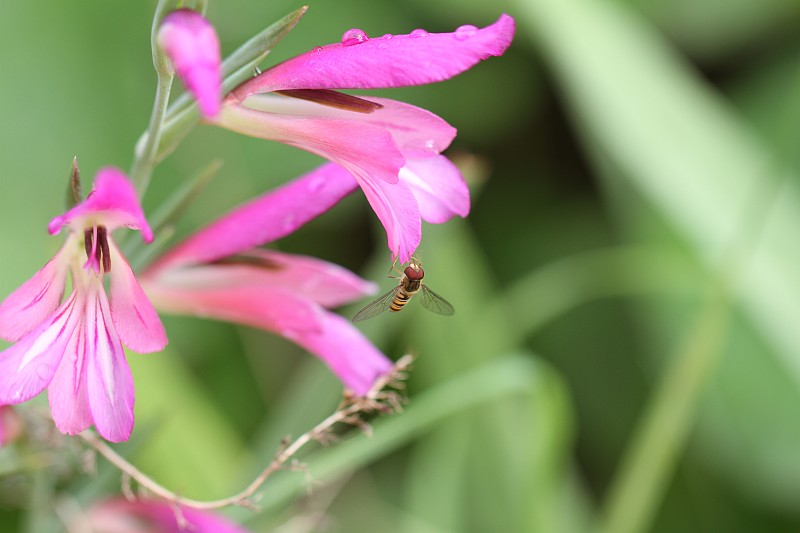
[[249, 260], [334, 99], [104, 254], [88, 241]]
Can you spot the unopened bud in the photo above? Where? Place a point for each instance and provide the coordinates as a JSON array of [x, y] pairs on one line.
[[191, 44]]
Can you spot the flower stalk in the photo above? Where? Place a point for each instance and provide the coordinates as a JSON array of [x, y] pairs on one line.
[[380, 399]]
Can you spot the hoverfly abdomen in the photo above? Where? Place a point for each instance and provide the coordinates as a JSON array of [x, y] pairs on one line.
[[401, 298]]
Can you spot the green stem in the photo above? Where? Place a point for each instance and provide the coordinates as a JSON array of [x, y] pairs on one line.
[[657, 443], [146, 157]]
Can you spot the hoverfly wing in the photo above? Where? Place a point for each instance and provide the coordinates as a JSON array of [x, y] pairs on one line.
[[435, 303], [376, 307]]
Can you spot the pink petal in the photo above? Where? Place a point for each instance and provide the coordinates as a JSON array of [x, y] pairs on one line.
[[69, 402], [191, 43], [354, 360], [325, 283], [36, 299], [27, 367], [399, 61], [122, 516], [135, 320], [398, 212], [265, 219], [109, 380], [367, 151], [113, 203], [438, 187], [208, 292], [194, 292], [415, 131]]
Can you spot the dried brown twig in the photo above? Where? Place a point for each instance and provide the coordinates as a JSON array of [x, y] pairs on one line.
[[382, 398]]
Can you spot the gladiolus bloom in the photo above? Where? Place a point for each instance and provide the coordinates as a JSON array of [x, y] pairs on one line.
[[392, 149], [149, 516], [191, 43], [217, 273], [74, 348]]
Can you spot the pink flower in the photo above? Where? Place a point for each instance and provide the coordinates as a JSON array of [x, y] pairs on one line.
[[74, 348], [191, 43], [150, 516], [391, 148], [217, 273]]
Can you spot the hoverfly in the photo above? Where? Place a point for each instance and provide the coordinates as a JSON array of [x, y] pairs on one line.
[[395, 299]]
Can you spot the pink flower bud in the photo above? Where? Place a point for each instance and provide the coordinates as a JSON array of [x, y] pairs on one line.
[[191, 43], [118, 515], [10, 425]]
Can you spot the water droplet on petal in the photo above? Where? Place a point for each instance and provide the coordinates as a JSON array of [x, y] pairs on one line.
[[430, 145], [419, 32], [354, 36], [317, 49], [387, 36], [465, 32]]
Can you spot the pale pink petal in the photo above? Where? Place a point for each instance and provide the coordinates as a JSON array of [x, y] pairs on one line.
[[327, 284], [438, 187], [416, 131], [398, 212], [113, 203], [265, 219], [398, 61], [135, 320], [27, 367], [109, 380], [367, 151], [37, 298], [267, 307], [69, 402], [123, 516], [275, 309], [350, 355], [191, 43]]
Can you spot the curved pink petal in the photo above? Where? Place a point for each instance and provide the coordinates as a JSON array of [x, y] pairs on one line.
[[398, 61], [398, 212], [415, 131], [36, 299], [28, 366], [191, 43], [367, 151], [135, 320], [194, 292], [327, 284], [113, 203], [123, 516], [438, 187], [212, 292], [350, 355], [66, 393], [265, 219], [109, 381]]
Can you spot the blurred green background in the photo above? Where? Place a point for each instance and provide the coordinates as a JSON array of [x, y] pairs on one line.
[[626, 352]]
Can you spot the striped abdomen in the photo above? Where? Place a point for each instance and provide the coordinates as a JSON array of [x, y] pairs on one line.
[[403, 294]]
